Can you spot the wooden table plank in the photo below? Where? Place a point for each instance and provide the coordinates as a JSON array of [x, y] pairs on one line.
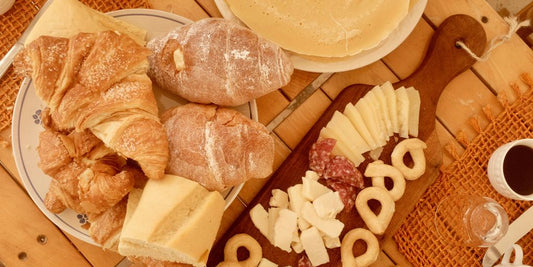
[[22, 223], [270, 105], [189, 9], [299, 80]]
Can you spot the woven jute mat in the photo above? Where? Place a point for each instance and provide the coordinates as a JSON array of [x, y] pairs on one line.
[[418, 239], [15, 21]]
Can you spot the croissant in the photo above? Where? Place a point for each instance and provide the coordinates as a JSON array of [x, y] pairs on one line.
[[106, 227], [98, 81], [218, 61]]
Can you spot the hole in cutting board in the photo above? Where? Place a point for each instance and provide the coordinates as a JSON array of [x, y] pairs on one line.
[[22, 256]]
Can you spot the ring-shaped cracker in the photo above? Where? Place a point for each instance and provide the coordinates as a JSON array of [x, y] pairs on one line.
[[234, 243], [372, 248], [378, 170], [376, 223], [415, 147]]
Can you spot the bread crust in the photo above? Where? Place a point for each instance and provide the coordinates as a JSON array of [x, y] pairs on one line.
[[215, 146]]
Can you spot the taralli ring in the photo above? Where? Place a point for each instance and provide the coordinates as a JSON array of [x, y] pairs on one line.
[[371, 253], [415, 147], [379, 170], [376, 223], [234, 243]]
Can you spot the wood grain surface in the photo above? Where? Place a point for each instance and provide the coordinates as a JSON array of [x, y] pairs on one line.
[[443, 62]]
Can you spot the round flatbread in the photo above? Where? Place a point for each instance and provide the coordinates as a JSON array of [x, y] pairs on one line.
[[333, 28]]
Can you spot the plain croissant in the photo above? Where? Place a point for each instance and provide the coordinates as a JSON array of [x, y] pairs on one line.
[[218, 61], [99, 82]]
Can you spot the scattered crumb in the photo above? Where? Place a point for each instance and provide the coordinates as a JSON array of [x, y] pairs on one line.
[[376, 153], [9, 108]]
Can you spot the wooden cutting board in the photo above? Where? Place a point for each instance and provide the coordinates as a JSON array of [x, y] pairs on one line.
[[443, 61]]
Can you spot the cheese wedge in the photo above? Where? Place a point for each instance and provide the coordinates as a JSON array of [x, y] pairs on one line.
[[414, 110], [341, 125], [402, 103], [284, 227], [66, 18], [370, 119], [384, 109], [176, 219], [390, 96], [259, 217], [314, 246], [359, 124], [341, 148]]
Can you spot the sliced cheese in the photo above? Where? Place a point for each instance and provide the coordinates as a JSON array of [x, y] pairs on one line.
[[380, 122], [314, 247], [402, 104], [330, 227], [341, 148], [176, 219], [341, 125], [390, 96], [358, 123], [296, 202], [259, 217], [414, 110], [279, 199], [384, 109], [328, 205], [284, 227], [370, 120], [312, 189], [266, 263]]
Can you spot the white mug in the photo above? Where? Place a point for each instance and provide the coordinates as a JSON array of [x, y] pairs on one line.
[[496, 174]]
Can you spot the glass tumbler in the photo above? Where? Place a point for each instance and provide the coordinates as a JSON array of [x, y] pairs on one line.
[[470, 220]]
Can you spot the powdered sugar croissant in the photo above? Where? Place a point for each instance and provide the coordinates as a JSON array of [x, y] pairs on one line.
[[98, 82], [218, 61]]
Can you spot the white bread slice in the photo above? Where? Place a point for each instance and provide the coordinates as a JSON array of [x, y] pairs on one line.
[[175, 220]]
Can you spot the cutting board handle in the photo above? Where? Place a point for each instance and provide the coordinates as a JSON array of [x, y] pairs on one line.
[[445, 59]]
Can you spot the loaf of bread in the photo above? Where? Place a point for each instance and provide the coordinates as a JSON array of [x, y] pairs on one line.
[[217, 61], [98, 82], [175, 220], [215, 146]]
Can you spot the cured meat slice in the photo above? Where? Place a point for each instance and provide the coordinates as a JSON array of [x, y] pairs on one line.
[[342, 169], [320, 154], [347, 192]]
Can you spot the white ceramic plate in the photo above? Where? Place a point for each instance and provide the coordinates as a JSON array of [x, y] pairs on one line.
[[26, 125], [321, 64]]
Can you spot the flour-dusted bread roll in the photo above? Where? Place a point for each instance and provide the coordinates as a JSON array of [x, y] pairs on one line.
[[217, 61], [216, 147]]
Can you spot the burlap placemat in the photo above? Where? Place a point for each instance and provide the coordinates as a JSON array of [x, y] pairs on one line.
[[15, 21], [417, 238]]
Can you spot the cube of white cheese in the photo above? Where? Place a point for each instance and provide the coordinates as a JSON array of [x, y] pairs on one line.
[[312, 189], [259, 217], [330, 227], [312, 175], [284, 227], [303, 224], [279, 199], [331, 242], [328, 205], [273, 214], [314, 246], [266, 263], [296, 244], [296, 201]]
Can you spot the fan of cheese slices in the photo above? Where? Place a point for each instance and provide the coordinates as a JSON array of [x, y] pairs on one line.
[[369, 124]]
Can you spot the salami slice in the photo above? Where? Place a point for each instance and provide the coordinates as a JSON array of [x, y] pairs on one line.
[[347, 192], [320, 155], [304, 262], [341, 168]]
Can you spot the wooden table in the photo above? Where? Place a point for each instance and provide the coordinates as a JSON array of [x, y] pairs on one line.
[[28, 238]]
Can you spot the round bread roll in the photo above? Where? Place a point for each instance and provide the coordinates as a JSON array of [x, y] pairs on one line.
[[216, 147], [217, 61]]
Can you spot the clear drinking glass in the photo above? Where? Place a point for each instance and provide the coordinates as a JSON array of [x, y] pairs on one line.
[[470, 220]]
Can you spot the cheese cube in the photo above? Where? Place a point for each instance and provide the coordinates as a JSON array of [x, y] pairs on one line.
[[358, 123], [296, 198], [312, 189], [259, 217], [303, 224], [296, 244], [266, 263], [314, 246], [328, 205], [279, 199], [273, 214], [312, 175], [402, 103], [331, 242], [284, 227], [330, 227], [390, 95], [414, 110]]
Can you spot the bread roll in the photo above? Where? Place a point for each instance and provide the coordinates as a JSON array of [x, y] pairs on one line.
[[217, 61], [216, 147]]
